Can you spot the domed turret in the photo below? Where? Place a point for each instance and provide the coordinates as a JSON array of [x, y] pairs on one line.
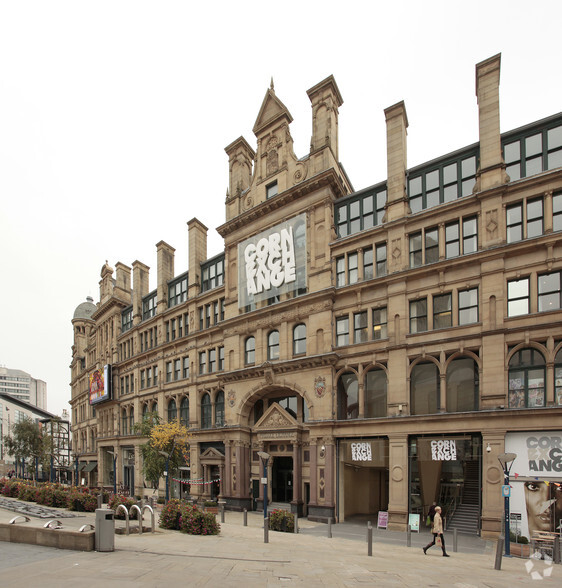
[[85, 310]]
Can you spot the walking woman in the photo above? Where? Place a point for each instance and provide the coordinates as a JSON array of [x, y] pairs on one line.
[[437, 530]]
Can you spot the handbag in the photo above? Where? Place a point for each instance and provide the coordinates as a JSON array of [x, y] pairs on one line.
[[428, 521]]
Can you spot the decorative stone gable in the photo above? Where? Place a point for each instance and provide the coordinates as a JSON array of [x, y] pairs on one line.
[[275, 418]]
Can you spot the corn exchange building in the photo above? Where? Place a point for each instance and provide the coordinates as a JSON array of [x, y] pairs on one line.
[[383, 346]]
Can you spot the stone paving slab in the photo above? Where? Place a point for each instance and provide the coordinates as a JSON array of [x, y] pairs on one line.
[[239, 557]]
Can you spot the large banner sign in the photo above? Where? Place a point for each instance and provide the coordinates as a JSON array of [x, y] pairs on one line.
[[100, 385], [273, 262], [536, 481]]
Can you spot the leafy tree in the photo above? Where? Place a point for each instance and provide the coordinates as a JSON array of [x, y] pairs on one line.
[[166, 442], [29, 443]]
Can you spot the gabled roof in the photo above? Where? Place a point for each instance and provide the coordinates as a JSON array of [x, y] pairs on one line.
[[272, 109]]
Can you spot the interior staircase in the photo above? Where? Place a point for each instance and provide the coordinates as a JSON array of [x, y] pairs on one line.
[[467, 515]]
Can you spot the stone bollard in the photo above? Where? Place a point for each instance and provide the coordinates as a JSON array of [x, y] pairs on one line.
[[330, 528], [499, 552], [409, 536], [266, 530], [369, 539], [222, 513], [245, 517], [296, 526], [455, 537]]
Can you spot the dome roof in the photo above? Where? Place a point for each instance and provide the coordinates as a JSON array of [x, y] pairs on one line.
[[85, 310]]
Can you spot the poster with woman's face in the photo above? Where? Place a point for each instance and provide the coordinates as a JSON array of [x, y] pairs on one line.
[[536, 481]]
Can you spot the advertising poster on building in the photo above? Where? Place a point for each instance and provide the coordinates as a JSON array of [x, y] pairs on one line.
[[272, 263], [100, 385], [536, 481]]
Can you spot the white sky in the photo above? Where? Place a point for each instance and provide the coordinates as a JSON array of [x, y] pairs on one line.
[[114, 117]]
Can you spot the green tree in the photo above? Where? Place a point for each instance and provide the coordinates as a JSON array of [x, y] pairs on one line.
[[166, 441], [28, 443]]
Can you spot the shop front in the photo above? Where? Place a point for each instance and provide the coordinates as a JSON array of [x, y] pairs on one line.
[[362, 478], [536, 482], [446, 470]]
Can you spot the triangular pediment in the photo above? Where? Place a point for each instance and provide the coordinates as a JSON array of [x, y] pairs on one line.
[[211, 453], [276, 417], [272, 109]]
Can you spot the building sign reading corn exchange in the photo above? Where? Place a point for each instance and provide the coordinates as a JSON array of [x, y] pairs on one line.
[[273, 262]]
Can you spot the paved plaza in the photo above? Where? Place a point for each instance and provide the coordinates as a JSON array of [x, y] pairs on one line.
[[239, 557]]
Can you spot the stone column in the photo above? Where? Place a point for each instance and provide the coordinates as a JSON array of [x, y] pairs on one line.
[[492, 480], [398, 482], [313, 472], [329, 477], [226, 485], [297, 476]]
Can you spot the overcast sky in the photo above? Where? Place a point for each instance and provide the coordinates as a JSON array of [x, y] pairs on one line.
[[114, 117]]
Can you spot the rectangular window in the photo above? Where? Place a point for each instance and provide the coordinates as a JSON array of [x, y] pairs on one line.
[[468, 306], [557, 212], [127, 385], [177, 369], [126, 319], [149, 304], [207, 315], [534, 218], [173, 329], [361, 212], [132, 385], [271, 190], [212, 274], [469, 235], [514, 223], [368, 263], [167, 331], [432, 245], [352, 271], [221, 359], [340, 272], [168, 371], [549, 292], [202, 362], [201, 318], [142, 382], [156, 375], [452, 240], [518, 297], [342, 331], [380, 253], [442, 311], [416, 259], [222, 309], [186, 368], [418, 315], [215, 312], [360, 327], [379, 323], [212, 360], [177, 291], [149, 377]]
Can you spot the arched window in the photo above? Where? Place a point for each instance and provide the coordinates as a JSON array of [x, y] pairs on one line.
[[250, 351], [155, 408], [462, 385], [558, 378], [526, 379], [375, 393], [144, 411], [131, 420], [172, 410], [124, 422], [348, 396], [258, 411], [299, 340], [219, 409], [184, 411], [273, 345], [424, 389], [206, 412]]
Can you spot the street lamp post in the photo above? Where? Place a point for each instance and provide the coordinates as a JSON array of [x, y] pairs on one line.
[[506, 461], [265, 460], [76, 468], [114, 454], [167, 469]]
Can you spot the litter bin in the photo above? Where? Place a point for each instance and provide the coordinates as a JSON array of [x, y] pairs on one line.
[[105, 530]]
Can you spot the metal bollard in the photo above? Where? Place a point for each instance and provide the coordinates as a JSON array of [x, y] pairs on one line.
[[296, 526], [455, 540], [330, 528], [367, 536], [222, 513], [499, 552], [409, 536], [266, 530], [369, 539], [556, 550], [245, 518], [100, 500]]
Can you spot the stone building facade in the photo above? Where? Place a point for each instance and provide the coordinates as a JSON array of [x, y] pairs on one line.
[[379, 345]]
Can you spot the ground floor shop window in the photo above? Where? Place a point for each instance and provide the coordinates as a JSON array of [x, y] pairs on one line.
[[444, 470]]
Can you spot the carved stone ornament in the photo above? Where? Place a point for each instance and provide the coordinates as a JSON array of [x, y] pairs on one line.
[[276, 420], [320, 386], [231, 396]]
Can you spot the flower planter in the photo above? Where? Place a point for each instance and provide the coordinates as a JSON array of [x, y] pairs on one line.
[[520, 549]]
